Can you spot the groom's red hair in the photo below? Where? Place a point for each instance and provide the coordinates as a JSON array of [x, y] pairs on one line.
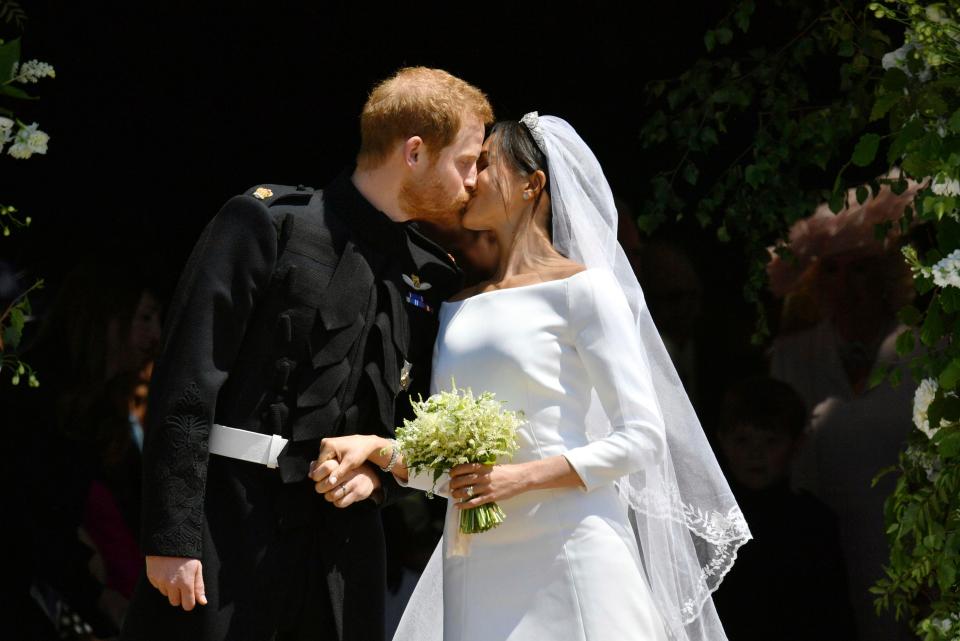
[[417, 101]]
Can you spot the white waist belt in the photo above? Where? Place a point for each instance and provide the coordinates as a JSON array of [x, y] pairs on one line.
[[246, 445]]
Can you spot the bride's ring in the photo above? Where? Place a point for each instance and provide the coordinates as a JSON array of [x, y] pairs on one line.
[[470, 491], [343, 491]]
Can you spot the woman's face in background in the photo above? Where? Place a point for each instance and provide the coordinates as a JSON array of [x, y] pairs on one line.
[[142, 339]]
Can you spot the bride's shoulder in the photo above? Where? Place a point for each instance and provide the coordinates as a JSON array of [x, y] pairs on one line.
[[467, 292], [567, 269]]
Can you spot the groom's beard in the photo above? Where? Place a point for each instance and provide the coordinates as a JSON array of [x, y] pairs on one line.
[[430, 204]]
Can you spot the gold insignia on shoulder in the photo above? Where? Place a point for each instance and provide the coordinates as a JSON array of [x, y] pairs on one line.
[[414, 281], [262, 193]]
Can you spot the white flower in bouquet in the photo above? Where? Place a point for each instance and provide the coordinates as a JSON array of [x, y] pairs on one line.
[[29, 141], [453, 428]]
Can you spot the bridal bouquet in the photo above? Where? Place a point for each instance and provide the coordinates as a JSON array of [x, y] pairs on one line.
[[452, 428]]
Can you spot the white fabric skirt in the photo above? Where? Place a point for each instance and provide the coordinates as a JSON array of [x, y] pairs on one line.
[[563, 566]]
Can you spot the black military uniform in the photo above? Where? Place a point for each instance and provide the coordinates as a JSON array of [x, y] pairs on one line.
[[304, 314]]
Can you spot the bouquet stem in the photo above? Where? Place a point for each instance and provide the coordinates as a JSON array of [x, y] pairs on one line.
[[481, 518]]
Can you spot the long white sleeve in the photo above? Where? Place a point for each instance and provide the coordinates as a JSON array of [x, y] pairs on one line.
[[606, 339]]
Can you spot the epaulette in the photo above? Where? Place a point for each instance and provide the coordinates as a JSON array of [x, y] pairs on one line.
[[273, 195]]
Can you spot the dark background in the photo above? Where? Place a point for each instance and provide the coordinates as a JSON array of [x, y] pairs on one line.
[[161, 111]]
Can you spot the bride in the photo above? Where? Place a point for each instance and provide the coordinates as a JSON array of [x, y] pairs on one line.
[[619, 522]]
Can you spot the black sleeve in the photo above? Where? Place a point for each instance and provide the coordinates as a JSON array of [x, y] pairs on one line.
[[392, 491], [229, 268]]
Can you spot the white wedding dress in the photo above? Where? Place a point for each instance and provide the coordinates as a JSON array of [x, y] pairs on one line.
[[565, 564]]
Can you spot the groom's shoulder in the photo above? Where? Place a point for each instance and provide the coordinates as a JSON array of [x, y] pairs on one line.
[[282, 202], [272, 195]]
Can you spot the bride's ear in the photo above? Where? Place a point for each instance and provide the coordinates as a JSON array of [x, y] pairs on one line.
[[537, 182]]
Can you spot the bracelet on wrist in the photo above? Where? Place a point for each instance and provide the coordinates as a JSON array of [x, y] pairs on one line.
[[394, 455]]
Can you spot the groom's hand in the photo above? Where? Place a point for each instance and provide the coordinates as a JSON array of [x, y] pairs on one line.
[[338, 456], [356, 485], [177, 578]]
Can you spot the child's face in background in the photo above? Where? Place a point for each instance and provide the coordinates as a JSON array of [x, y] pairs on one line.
[[757, 458]]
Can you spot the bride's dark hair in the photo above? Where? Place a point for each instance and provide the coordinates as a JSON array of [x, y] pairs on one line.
[[513, 140], [514, 146]]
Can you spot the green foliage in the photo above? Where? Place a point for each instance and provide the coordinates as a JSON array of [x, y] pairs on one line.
[[12, 322], [12, 13], [9, 56], [750, 193], [9, 220], [897, 104], [923, 527], [23, 143]]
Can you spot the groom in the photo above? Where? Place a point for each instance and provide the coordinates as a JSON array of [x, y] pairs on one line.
[[300, 314]]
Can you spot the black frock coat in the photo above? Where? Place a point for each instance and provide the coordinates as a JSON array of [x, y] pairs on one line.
[[295, 315]]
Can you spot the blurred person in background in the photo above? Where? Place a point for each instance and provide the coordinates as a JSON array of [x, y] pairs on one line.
[[82, 467], [842, 290], [790, 583]]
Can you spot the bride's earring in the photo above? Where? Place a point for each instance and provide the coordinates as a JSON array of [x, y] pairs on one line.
[[526, 195]]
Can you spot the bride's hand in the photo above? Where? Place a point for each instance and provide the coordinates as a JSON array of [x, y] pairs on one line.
[[489, 483], [338, 456]]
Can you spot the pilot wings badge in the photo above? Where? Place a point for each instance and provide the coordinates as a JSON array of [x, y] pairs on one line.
[[414, 281]]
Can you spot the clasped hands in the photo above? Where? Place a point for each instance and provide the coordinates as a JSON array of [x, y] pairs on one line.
[[341, 472], [344, 475]]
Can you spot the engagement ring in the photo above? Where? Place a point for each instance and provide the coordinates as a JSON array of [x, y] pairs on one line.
[[470, 491]]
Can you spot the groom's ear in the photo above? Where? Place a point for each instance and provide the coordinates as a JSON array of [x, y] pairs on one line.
[[413, 151]]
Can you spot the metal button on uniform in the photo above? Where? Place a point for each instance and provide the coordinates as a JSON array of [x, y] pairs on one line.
[[405, 377]]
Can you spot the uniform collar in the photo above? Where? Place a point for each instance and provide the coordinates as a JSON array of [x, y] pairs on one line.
[[366, 222], [375, 228]]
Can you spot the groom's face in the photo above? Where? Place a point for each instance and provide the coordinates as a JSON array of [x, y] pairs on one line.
[[440, 191]]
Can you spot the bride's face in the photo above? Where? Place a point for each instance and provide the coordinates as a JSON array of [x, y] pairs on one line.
[[498, 196]]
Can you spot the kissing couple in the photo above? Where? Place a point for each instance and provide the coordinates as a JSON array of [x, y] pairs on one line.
[[304, 322]]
